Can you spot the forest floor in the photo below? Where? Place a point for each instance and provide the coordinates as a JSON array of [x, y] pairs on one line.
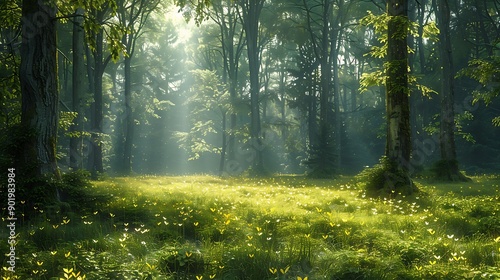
[[286, 227]]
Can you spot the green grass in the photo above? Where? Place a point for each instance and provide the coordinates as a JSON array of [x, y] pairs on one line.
[[287, 227]]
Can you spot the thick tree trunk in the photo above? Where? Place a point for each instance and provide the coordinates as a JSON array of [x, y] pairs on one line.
[[38, 76], [398, 145], [447, 168], [75, 144]]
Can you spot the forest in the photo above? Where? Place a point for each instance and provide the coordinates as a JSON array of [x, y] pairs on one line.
[[250, 139]]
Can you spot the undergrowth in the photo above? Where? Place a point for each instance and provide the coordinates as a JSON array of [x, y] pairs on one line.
[[289, 227]]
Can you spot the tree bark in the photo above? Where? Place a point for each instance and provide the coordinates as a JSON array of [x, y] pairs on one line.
[[38, 77], [447, 168], [334, 53], [224, 144], [398, 144], [128, 118], [250, 16], [75, 143], [97, 116]]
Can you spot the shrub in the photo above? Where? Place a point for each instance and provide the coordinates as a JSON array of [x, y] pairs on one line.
[[385, 179]]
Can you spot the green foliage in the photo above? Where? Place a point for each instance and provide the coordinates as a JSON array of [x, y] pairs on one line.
[[66, 120], [209, 105], [194, 9], [10, 14], [276, 228], [181, 261], [321, 159], [461, 120], [487, 73], [10, 145], [379, 23], [76, 190], [385, 179]]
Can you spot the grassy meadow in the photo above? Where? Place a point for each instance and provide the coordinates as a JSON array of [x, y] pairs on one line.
[[286, 227]]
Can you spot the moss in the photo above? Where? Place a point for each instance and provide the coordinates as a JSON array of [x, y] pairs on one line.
[[386, 179], [447, 170]]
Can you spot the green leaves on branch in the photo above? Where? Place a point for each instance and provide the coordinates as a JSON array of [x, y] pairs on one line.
[[66, 120], [487, 73], [380, 23], [209, 104], [10, 14], [460, 119], [99, 16], [195, 142], [194, 9]]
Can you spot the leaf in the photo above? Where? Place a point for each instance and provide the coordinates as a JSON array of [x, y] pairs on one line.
[[431, 31], [496, 121]]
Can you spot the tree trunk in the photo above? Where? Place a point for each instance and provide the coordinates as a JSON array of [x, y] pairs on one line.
[[398, 144], [97, 118], [312, 113], [128, 119], [38, 77], [251, 13], [335, 36], [224, 144], [326, 69], [75, 142], [447, 168]]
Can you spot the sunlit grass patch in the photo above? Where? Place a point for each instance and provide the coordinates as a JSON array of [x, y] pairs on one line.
[[286, 227]]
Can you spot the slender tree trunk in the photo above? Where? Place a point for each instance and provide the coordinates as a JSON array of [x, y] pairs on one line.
[[75, 142], [232, 121], [398, 145], [129, 117], [448, 166], [224, 144], [225, 17], [312, 113], [282, 93], [38, 77], [326, 70], [335, 35], [96, 126]]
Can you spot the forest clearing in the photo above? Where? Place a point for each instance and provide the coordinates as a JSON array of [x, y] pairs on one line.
[[285, 227], [337, 139]]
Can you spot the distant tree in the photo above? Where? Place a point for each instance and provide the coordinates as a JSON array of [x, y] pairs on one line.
[[250, 16], [208, 105], [133, 15], [318, 14], [249, 12], [101, 32], [78, 91], [232, 41], [163, 59], [447, 167]]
